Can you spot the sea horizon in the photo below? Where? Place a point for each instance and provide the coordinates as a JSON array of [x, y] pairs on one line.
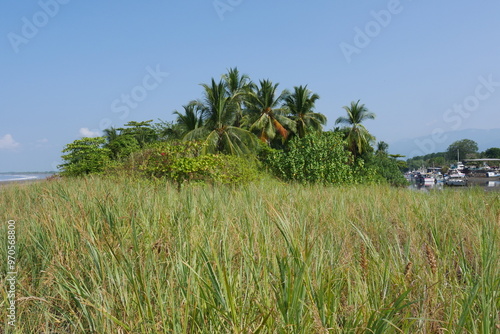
[[24, 176]]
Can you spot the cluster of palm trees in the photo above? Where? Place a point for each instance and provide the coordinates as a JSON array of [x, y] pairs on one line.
[[235, 113]]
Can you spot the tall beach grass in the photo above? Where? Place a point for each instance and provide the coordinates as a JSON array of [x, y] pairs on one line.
[[112, 255]]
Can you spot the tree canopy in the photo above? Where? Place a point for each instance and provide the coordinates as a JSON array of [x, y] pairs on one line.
[[238, 117], [357, 136], [461, 149]]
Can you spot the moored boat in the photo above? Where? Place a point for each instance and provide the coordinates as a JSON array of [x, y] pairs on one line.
[[455, 178]]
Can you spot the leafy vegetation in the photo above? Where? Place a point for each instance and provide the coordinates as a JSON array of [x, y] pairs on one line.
[[85, 156], [151, 239], [265, 115], [182, 162], [315, 158], [232, 117], [387, 168], [460, 149], [357, 136], [218, 132], [493, 152]]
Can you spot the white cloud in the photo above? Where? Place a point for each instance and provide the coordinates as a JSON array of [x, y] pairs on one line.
[[85, 132], [7, 142]]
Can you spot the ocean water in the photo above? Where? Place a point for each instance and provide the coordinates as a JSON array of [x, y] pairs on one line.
[[23, 176]]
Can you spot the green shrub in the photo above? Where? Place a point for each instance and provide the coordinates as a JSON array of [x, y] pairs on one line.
[[85, 156], [315, 158], [181, 162], [232, 169], [386, 169], [122, 146]]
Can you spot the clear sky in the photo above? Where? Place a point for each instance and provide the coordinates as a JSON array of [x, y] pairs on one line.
[[71, 67]]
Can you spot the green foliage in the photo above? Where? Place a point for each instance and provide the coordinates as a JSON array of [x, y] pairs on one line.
[[184, 162], [433, 159], [387, 168], [465, 147], [85, 156], [143, 132], [265, 115], [316, 158], [220, 114], [492, 153], [232, 169], [357, 136], [300, 105], [191, 119], [122, 146]]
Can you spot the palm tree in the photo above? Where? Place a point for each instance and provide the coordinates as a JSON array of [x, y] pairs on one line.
[[357, 136], [218, 132], [237, 87], [111, 134], [300, 105], [382, 147], [264, 114], [191, 119]]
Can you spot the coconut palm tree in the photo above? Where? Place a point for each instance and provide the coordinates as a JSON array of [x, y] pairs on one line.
[[237, 86], [357, 136], [264, 114], [218, 132], [111, 134], [382, 147], [300, 105], [191, 119]]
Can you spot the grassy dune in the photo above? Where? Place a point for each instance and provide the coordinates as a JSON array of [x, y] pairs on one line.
[[127, 256]]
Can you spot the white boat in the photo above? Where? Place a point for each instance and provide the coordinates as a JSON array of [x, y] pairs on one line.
[[424, 179], [455, 178], [456, 181], [492, 174]]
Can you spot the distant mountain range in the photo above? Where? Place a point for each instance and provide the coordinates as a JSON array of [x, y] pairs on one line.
[[426, 144]]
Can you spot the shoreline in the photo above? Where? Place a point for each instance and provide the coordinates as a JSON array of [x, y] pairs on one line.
[[22, 181]]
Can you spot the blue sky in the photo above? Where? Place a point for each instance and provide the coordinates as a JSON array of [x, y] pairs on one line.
[[72, 67]]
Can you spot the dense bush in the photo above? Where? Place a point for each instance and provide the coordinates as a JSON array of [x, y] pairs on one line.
[[85, 156], [385, 169], [122, 146], [183, 162], [315, 158]]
